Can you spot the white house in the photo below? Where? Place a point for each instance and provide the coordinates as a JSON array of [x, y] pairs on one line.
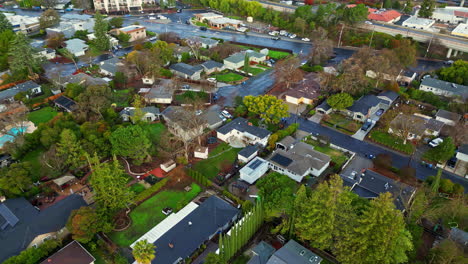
[[46, 53], [451, 14], [186, 71], [159, 95], [305, 92], [201, 152], [168, 166], [254, 170], [256, 56], [77, 47], [239, 132], [234, 61], [150, 114], [444, 88], [247, 154], [298, 161], [448, 118]]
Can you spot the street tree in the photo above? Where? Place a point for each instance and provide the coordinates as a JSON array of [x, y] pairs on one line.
[[116, 22], [300, 25], [16, 179], [443, 152], [408, 7], [427, 8], [6, 38], [169, 37], [4, 23], [405, 51], [340, 101], [321, 51], [84, 223], [22, 59], [287, 71], [144, 252], [403, 125], [356, 14], [456, 73], [110, 185], [55, 40], [276, 191], [101, 41], [70, 150], [49, 18], [163, 51], [124, 140], [268, 107]]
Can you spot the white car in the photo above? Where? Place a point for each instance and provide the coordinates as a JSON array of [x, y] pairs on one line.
[[273, 33], [226, 114], [198, 112], [213, 80], [368, 23], [292, 36], [435, 142], [305, 39], [152, 18], [283, 32]]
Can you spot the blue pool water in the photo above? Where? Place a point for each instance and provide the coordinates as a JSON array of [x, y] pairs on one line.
[[10, 135]]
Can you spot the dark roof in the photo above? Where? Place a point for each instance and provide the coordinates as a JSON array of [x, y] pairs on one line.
[[372, 184], [159, 92], [185, 68], [365, 103], [448, 115], [130, 111], [324, 105], [26, 86], [409, 73], [463, 149], [73, 253], [22, 87], [294, 253], [390, 95], [248, 151], [66, 103], [242, 125], [186, 236], [262, 252], [212, 118], [32, 222], [110, 65], [281, 160], [211, 65], [81, 78], [456, 89], [308, 88]]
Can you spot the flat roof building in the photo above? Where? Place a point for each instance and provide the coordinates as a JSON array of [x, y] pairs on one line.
[[418, 23], [461, 30]]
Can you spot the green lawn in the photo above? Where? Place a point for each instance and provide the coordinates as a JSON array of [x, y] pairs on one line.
[[149, 214], [228, 77], [391, 141], [33, 158], [155, 130], [277, 55], [263, 66], [236, 17], [253, 70], [189, 96], [212, 166], [137, 188], [343, 123], [248, 48], [336, 156], [42, 115]]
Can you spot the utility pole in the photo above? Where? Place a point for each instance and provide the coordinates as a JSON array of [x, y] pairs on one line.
[[341, 32], [372, 36], [429, 46]]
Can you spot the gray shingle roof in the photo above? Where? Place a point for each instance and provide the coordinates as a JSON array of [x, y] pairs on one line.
[[212, 118], [211, 65], [389, 94], [82, 78], [76, 45], [26, 86], [206, 220], [236, 58], [33, 222], [324, 105], [66, 103], [130, 111], [294, 253], [456, 89], [448, 115], [159, 92], [248, 151], [365, 103], [22, 87], [110, 65], [186, 69], [262, 252], [242, 125]]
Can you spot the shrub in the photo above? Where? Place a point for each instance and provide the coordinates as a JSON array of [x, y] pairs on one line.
[[34, 255], [150, 191], [280, 134], [232, 197], [181, 160], [458, 189], [312, 112], [446, 185], [165, 73]]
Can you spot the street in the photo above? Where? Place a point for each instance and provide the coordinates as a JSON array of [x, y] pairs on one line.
[[363, 148]]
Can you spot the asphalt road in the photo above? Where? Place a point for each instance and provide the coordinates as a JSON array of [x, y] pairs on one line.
[[363, 148]]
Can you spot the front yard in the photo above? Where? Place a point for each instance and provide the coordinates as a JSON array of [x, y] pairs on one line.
[[391, 141], [277, 55], [221, 157], [42, 115], [149, 213], [342, 123], [228, 77], [190, 96], [253, 70], [337, 157]]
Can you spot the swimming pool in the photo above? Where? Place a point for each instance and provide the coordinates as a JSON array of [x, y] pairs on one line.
[[10, 135]]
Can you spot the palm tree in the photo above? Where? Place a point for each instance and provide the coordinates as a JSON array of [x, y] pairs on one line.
[[143, 252]]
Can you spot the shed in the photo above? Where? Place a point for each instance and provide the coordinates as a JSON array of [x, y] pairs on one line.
[[201, 152], [168, 166]]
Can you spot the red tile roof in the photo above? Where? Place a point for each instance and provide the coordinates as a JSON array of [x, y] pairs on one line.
[[384, 16], [460, 13]]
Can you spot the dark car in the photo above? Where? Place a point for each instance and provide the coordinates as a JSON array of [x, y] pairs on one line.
[[379, 112], [167, 211], [452, 162], [179, 10], [187, 22], [203, 28], [366, 125], [275, 38]]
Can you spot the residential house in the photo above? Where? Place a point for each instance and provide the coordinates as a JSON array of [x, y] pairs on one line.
[[179, 235], [150, 114], [73, 253], [462, 158], [201, 152], [23, 24], [168, 165], [23, 226], [444, 88], [247, 154], [406, 77], [183, 125], [389, 96], [417, 126], [46, 53], [298, 161], [212, 66], [253, 170], [70, 23], [324, 108], [366, 106], [212, 119], [256, 56], [241, 132], [305, 92], [261, 253], [113, 41], [448, 118], [135, 32], [159, 95], [110, 67], [77, 47], [234, 61], [179, 50], [294, 253], [81, 79], [65, 104], [30, 88], [206, 43], [186, 71], [386, 16], [371, 184]]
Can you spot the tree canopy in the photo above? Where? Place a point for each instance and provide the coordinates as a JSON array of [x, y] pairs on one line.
[[101, 41], [125, 139], [143, 252], [457, 73], [22, 59], [49, 18], [270, 108], [276, 192], [427, 8], [116, 22], [17, 178], [4, 23], [84, 223], [340, 101], [443, 152]]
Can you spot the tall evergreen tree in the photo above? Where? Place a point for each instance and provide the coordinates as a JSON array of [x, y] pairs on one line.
[[436, 183], [69, 148], [102, 41], [4, 23], [22, 59]]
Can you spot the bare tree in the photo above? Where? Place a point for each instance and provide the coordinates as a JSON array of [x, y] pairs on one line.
[[195, 45], [224, 50], [405, 125], [459, 133], [321, 51], [287, 71], [52, 161], [169, 37], [49, 4]]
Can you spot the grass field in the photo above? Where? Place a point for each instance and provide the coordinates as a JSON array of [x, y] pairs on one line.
[[212, 166], [391, 141], [342, 123], [277, 55], [149, 214], [154, 130], [253, 70], [189, 96], [42, 115], [228, 77], [33, 158]]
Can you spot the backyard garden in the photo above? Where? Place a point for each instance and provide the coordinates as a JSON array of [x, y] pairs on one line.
[[219, 158], [227, 77], [42, 115]]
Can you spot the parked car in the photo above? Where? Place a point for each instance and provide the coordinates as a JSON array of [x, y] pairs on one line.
[[226, 114], [213, 80], [187, 22], [292, 36], [368, 23], [273, 33], [449, 62], [179, 10], [167, 211], [379, 112], [452, 162], [276, 38], [203, 28], [152, 18], [185, 87], [153, 38], [198, 112], [305, 39], [435, 142], [366, 125], [283, 32], [222, 117]]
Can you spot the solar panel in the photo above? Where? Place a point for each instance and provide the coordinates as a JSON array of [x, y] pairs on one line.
[[281, 160], [8, 215], [255, 164]]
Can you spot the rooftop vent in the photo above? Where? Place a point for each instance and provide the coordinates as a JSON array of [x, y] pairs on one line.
[[302, 253], [189, 223]]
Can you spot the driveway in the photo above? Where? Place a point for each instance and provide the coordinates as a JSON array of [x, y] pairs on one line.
[[361, 134]]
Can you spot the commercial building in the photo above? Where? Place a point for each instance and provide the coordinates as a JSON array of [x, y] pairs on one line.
[[70, 23], [461, 30], [387, 16], [24, 24], [135, 32], [124, 6], [451, 14], [418, 23]]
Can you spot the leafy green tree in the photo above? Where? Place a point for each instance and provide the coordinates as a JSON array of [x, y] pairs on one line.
[[73, 90], [163, 51], [457, 73], [85, 222], [340, 101], [270, 108], [435, 185], [34, 255], [69, 148], [213, 258], [408, 7], [102, 41], [396, 5], [143, 252], [405, 51], [81, 34], [427, 7], [110, 185], [124, 140], [123, 37], [49, 18], [116, 22], [22, 59], [246, 63], [356, 14], [304, 12], [185, 57], [443, 152], [6, 38], [300, 25], [16, 178], [387, 3], [447, 252], [446, 185], [276, 192], [4, 23]]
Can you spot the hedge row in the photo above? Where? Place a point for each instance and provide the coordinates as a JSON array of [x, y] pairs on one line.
[[150, 191]]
